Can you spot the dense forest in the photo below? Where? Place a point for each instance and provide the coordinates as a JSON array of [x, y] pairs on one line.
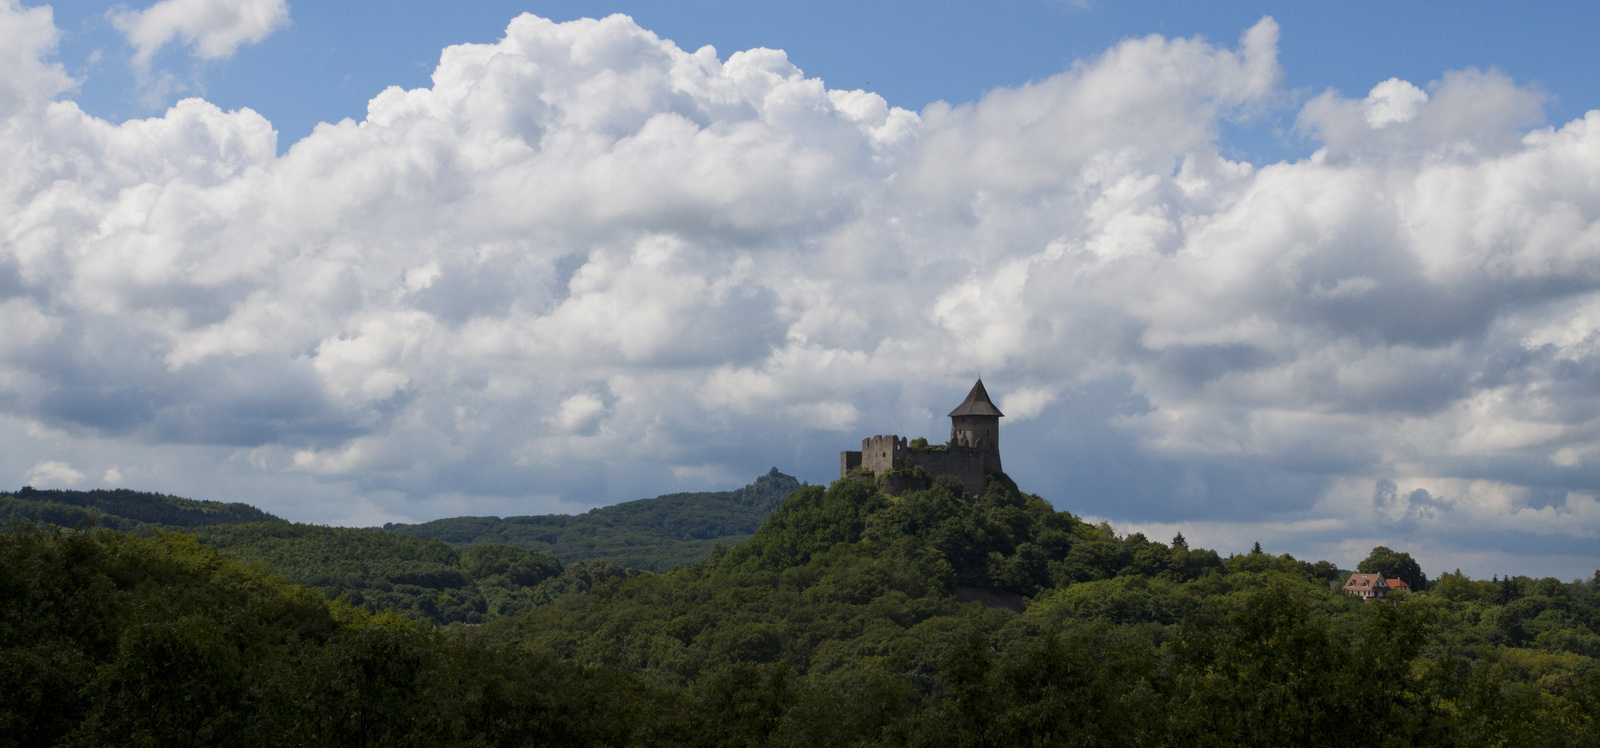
[[651, 534], [458, 570], [418, 577], [122, 509], [841, 621]]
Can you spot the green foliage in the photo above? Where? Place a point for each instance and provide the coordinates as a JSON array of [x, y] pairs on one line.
[[839, 622], [518, 566], [1121, 600], [1283, 564], [1289, 663], [836, 624], [1457, 586], [651, 534], [423, 578], [122, 509], [109, 638], [1394, 565]]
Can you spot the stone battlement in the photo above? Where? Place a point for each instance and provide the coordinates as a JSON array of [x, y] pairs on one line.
[[881, 454], [971, 456]]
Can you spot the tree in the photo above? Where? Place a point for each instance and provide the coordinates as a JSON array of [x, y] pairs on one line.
[[1325, 570], [1256, 549], [1394, 565]]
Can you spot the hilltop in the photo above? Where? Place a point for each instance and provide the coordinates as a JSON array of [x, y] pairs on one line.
[[462, 569], [123, 509], [475, 569], [651, 534]]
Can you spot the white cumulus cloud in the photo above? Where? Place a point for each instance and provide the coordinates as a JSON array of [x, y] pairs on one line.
[[54, 474], [27, 37], [1392, 101], [214, 29], [585, 265]]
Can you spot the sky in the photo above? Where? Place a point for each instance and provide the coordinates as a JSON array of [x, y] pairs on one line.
[[1321, 278]]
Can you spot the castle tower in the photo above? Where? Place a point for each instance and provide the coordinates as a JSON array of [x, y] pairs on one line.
[[975, 423], [972, 455]]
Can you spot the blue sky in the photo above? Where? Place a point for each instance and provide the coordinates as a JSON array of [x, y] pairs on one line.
[[1319, 276], [333, 57]]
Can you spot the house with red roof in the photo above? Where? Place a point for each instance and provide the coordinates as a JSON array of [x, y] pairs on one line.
[[1368, 586]]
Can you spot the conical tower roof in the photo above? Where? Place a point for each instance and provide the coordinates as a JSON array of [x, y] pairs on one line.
[[977, 404]]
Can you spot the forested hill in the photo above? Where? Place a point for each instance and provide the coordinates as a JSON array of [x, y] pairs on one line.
[[652, 534], [501, 567], [123, 509], [424, 579], [840, 621]]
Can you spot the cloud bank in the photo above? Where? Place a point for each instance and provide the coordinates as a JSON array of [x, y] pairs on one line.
[[587, 266]]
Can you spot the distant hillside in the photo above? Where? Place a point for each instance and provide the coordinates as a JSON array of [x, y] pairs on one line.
[[421, 577], [122, 509], [653, 534]]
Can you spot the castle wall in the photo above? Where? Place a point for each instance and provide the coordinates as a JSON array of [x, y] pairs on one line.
[[848, 461], [882, 454], [972, 455], [970, 466]]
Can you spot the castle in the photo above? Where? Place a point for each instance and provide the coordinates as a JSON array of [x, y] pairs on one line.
[[971, 456]]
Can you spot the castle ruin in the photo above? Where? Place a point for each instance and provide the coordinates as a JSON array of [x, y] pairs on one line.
[[972, 454]]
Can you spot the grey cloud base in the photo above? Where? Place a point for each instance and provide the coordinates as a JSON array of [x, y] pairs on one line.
[[587, 266]]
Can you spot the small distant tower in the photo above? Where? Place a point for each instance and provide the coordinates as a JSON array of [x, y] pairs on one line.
[[975, 423]]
